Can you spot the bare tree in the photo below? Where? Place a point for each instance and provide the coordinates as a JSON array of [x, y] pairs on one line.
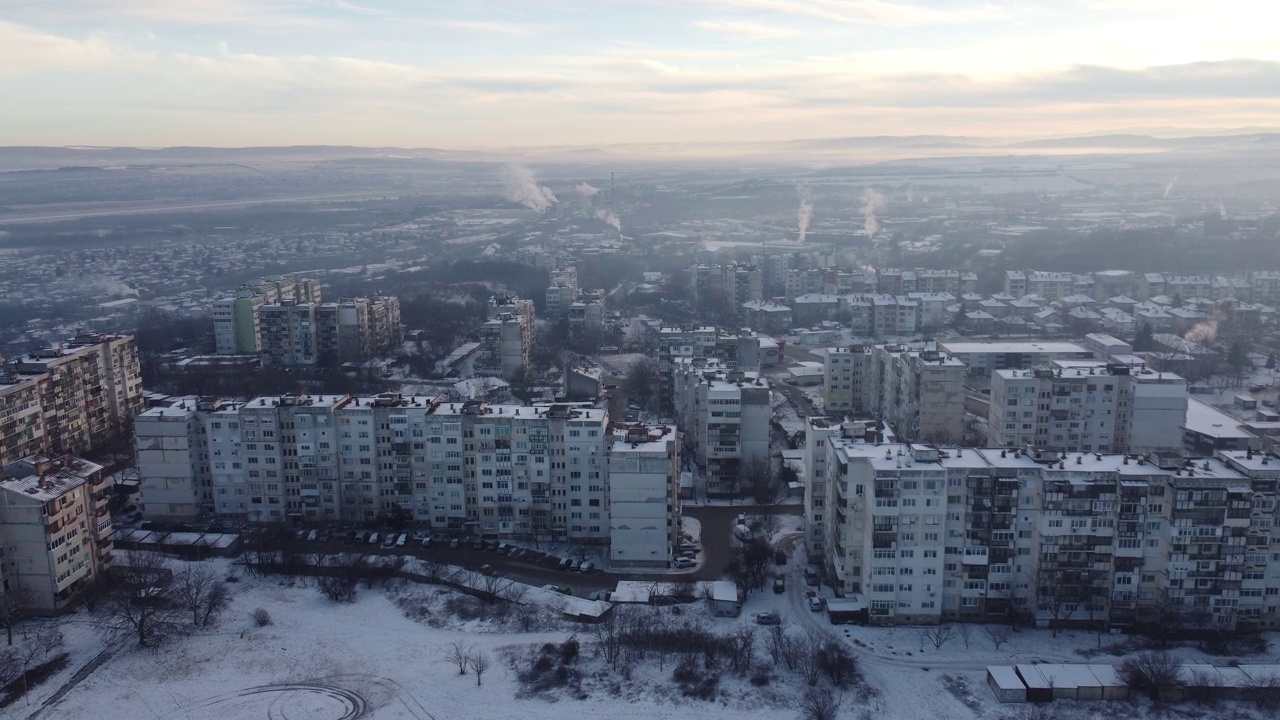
[[641, 381], [939, 635], [998, 634], [741, 645], [199, 590], [479, 664], [808, 662], [819, 703], [142, 604], [966, 631], [38, 646], [775, 642], [1265, 689], [458, 653], [337, 589], [1154, 673], [11, 611]]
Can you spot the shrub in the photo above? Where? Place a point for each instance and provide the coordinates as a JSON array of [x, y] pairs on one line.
[[261, 617]]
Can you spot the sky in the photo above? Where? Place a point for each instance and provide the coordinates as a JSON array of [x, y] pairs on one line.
[[503, 73]]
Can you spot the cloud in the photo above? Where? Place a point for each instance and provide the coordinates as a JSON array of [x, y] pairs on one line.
[[748, 30], [26, 51], [869, 12]]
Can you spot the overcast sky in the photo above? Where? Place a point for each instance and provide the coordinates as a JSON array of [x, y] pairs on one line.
[[497, 73]]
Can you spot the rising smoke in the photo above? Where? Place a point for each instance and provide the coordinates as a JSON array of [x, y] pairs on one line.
[[1203, 333], [805, 212], [587, 190], [1168, 187], [871, 202], [519, 185], [608, 217], [114, 287]]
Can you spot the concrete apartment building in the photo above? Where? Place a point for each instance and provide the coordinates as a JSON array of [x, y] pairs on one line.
[[561, 292], [735, 351], [844, 381], [644, 496], [173, 454], [236, 326], [586, 314], [55, 529], [919, 393], [724, 416], [494, 470], [731, 285], [506, 338], [352, 330], [70, 398], [922, 534], [1088, 406]]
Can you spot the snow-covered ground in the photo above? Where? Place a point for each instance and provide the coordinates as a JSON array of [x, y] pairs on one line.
[[326, 661]]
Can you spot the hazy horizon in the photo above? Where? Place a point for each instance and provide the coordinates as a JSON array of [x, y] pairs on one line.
[[237, 73]]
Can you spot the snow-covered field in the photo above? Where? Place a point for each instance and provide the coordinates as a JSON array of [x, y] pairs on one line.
[[368, 659]]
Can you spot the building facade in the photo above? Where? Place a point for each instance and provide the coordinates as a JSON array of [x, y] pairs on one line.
[[644, 496], [724, 416], [55, 529]]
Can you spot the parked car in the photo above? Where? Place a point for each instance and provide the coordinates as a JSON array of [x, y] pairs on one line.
[[373, 538], [349, 537], [361, 536], [779, 585], [324, 536], [400, 541], [504, 548], [311, 536], [768, 618], [574, 565], [477, 544], [683, 563], [780, 557], [564, 563], [389, 540], [586, 566], [810, 577], [454, 544], [816, 604], [486, 569], [426, 541]]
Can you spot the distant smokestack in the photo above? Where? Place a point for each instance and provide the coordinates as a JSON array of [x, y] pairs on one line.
[[871, 202], [1168, 187]]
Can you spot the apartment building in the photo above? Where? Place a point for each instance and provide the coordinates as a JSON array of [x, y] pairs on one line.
[[922, 534], [844, 387], [173, 454], [288, 334], [644, 496], [356, 329], [724, 416], [506, 338], [236, 326], [1089, 406], [919, 393], [734, 350], [984, 358], [55, 529], [495, 470], [730, 285], [70, 398], [561, 292], [586, 314]]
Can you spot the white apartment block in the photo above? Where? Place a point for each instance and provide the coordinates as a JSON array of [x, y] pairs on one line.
[[173, 454], [1087, 406], [922, 534], [70, 398], [724, 415], [919, 393], [644, 496], [846, 371], [497, 470], [55, 529]]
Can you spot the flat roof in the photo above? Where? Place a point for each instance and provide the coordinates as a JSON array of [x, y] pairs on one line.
[[1012, 347], [1208, 420], [1005, 677]]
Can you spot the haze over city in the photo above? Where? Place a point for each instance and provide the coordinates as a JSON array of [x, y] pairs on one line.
[[714, 360], [566, 72]]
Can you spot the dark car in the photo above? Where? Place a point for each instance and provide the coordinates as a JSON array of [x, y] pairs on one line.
[[780, 558], [349, 538], [779, 585]]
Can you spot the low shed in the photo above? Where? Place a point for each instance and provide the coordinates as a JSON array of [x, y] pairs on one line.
[[1113, 688], [1006, 684], [1039, 689], [1064, 680]]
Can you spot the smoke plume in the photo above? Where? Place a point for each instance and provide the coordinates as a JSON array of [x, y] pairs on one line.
[[1168, 187], [805, 212], [911, 194], [587, 190], [1222, 210], [871, 202], [519, 185], [610, 218], [1203, 333], [112, 286]]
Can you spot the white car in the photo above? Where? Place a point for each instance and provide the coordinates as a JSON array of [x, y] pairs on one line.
[[682, 563]]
